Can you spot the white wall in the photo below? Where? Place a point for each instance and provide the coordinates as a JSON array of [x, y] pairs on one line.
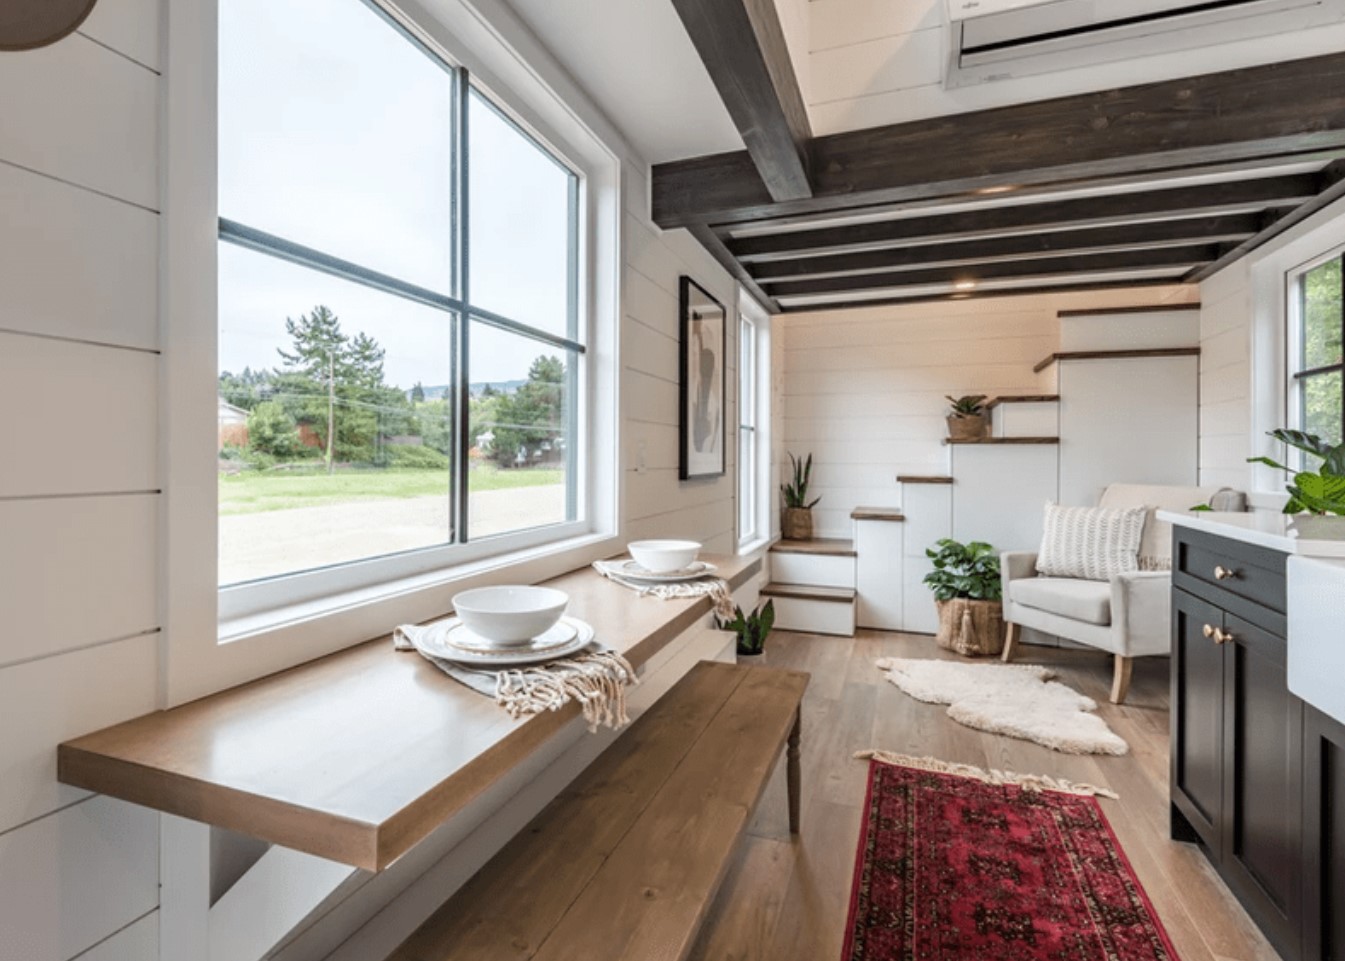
[[78, 504], [1226, 377], [863, 389]]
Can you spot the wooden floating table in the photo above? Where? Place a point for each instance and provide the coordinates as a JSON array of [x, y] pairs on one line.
[[357, 756]]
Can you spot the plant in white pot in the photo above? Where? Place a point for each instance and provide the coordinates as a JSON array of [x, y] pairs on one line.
[[968, 418], [967, 590], [1317, 495], [797, 522]]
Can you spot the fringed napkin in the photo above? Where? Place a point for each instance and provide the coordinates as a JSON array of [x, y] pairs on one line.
[[597, 678], [716, 587]]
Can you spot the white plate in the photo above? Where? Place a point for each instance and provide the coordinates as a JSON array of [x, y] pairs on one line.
[[453, 641], [629, 568]]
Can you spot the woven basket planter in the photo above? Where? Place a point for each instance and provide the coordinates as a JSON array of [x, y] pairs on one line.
[[796, 524], [971, 628], [968, 428]]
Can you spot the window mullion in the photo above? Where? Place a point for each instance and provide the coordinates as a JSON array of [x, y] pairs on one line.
[[462, 325]]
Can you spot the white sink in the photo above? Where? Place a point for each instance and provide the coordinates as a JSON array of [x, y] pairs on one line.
[[1317, 633]]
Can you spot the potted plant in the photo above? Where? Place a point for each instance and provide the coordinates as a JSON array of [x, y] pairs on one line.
[[967, 590], [797, 522], [751, 629], [1317, 495], [968, 418]]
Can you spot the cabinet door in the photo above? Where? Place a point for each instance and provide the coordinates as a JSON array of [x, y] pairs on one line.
[[1197, 716], [1324, 838], [1263, 744]]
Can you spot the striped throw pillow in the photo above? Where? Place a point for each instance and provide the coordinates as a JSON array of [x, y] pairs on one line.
[[1090, 543]]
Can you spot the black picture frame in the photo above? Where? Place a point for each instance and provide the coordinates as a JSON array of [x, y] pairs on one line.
[[702, 383]]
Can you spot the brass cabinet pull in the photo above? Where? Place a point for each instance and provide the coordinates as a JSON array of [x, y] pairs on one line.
[[1222, 637], [1222, 573], [1209, 630]]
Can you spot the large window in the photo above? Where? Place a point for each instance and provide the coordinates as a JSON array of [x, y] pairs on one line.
[[1317, 367], [400, 347]]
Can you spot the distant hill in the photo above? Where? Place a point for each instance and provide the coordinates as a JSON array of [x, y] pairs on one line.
[[438, 391]]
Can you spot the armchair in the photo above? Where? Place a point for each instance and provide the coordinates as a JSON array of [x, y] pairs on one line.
[[1128, 616]]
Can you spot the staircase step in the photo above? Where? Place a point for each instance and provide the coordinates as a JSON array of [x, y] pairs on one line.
[[823, 546], [1023, 399], [877, 514], [809, 592], [924, 479], [1004, 440]]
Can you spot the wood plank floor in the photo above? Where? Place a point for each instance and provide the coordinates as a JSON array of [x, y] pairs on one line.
[[787, 899]]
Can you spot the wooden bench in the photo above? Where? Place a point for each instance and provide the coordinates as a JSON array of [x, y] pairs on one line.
[[626, 861]]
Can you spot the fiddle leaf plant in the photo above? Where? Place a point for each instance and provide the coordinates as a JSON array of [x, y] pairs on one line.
[[964, 571], [1314, 492], [796, 491], [751, 629]]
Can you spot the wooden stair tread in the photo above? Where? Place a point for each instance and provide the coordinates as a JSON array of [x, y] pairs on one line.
[[824, 546], [893, 514], [1139, 309], [1004, 440], [809, 592], [1114, 354], [1023, 399], [625, 861], [924, 479]]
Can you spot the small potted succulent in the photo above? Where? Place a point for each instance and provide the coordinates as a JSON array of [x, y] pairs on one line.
[[968, 418], [967, 590], [751, 629], [1318, 497], [797, 522]]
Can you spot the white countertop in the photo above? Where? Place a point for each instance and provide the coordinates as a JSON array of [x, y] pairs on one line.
[[1262, 528]]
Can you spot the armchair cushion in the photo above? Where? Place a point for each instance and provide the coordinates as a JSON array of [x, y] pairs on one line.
[[1078, 600]]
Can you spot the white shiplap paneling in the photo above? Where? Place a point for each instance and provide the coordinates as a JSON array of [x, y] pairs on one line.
[[136, 942], [131, 27], [76, 571], [76, 264], [63, 697], [94, 123], [71, 879], [81, 418]]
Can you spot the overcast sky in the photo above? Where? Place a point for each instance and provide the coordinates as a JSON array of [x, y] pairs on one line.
[[335, 134]]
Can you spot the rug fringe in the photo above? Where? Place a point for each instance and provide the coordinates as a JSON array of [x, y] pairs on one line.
[[1028, 782]]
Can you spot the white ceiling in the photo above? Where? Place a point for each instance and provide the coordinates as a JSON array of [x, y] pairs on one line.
[[635, 60]]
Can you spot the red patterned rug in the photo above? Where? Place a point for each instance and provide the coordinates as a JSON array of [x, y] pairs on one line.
[[953, 868]]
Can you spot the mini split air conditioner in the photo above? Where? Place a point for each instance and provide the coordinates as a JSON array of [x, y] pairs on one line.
[[1003, 39]]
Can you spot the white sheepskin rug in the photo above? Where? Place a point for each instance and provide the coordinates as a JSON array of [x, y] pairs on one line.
[[1014, 699]]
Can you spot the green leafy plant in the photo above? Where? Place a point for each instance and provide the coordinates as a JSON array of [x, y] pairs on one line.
[[1314, 492], [964, 571], [752, 629], [796, 491], [972, 405]]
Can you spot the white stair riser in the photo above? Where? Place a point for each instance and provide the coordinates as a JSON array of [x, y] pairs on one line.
[[878, 574], [815, 617], [814, 570], [919, 615], [1027, 420]]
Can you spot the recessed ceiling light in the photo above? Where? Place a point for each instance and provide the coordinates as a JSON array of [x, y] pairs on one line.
[[1000, 189], [964, 285]]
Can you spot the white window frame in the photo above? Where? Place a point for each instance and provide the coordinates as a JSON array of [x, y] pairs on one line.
[[754, 398], [212, 644], [1293, 311]]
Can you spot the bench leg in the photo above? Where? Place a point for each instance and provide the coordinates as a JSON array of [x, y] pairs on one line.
[[792, 773]]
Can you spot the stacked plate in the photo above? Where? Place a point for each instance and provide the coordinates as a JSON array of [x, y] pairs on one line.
[[452, 640], [632, 569]]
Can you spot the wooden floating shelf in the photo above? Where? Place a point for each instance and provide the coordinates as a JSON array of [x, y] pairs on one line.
[[1103, 311], [1003, 440], [1023, 399], [877, 514], [1115, 355], [822, 546], [923, 479], [807, 592]]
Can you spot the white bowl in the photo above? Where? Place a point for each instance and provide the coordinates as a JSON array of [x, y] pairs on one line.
[[664, 557], [510, 614]]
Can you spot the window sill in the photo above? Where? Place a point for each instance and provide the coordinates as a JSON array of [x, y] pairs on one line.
[[404, 599]]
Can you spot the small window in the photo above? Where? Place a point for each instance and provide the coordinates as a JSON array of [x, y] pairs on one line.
[[400, 348], [1317, 365], [748, 481]]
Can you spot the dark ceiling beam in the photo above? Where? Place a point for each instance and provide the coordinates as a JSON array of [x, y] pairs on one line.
[[1228, 197], [1046, 287], [714, 245], [1331, 187], [1230, 228], [743, 48], [1245, 114], [1046, 268]]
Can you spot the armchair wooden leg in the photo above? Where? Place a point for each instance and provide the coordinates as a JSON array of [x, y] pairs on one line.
[[1120, 680], [1012, 634]]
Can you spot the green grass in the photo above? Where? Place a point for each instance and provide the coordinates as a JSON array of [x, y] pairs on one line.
[[253, 492]]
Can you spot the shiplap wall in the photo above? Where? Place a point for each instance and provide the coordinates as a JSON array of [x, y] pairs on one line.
[[874, 62], [863, 390], [79, 874], [1226, 377]]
